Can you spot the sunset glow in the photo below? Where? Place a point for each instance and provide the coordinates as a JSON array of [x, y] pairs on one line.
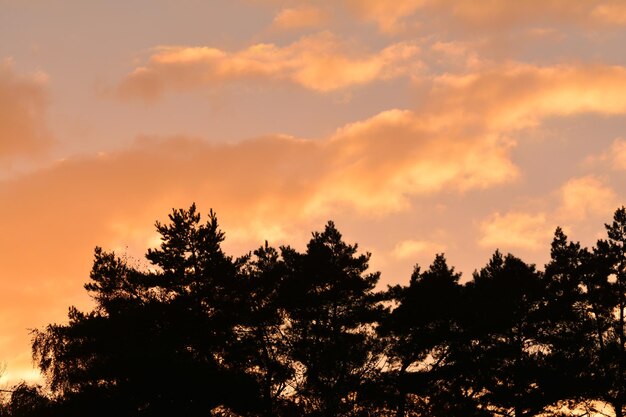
[[417, 126]]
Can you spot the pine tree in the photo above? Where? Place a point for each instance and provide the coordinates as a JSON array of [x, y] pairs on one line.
[[421, 332], [158, 341], [332, 310]]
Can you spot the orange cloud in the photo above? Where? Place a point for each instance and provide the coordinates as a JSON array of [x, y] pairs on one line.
[[578, 199], [516, 230], [22, 113], [610, 12], [517, 96], [388, 16], [411, 248], [585, 196], [614, 157], [304, 16], [392, 18], [460, 139], [319, 62], [618, 154], [454, 55], [382, 161]]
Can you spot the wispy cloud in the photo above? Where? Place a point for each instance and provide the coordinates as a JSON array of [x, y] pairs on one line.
[[304, 16], [319, 62], [576, 200], [411, 248], [613, 12], [23, 103], [618, 154], [586, 196], [516, 230], [516, 96], [393, 18]]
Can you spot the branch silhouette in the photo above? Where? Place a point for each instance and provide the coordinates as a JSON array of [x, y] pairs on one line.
[[279, 332]]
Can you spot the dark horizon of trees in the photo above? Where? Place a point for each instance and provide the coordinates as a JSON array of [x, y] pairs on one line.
[[280, 332]]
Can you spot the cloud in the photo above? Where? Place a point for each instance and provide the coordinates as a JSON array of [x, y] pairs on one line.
[[318, 62], [516, 230], [460, 139], [516, 96], [585, 196], [380, 162], [454, 56], [610, 12], [396, 17], [618, 154], [613, 157], [503, 13], [577, 199], [23, 102], [374, 164], [304, 16], [388, 16], [411, 248]]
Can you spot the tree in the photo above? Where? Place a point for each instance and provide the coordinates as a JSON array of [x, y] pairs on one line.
[[280, 332], [606, 298], [157, 342], [505, 360], [26, 401], [332, 310], [572, 319], [587, 315], [421, 332], [264, 348]]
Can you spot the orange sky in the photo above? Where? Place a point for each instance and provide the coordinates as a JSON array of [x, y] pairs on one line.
[[418, 126]]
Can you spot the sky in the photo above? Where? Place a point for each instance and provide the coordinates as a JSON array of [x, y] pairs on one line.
[[418, 126]]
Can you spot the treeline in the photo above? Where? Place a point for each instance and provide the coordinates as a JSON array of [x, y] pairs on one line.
[[286, 333]]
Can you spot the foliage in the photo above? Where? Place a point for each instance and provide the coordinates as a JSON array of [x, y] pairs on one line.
[[281, 332]]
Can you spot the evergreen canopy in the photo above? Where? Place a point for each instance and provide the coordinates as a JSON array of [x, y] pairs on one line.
[[280, 332]]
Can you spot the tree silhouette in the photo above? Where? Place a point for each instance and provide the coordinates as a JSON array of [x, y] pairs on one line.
[[506, 358], [571, 320], [421, 333], [332, 308], [285, 333], [264, 348], [157, 343], [606, 298], [24, 401]]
